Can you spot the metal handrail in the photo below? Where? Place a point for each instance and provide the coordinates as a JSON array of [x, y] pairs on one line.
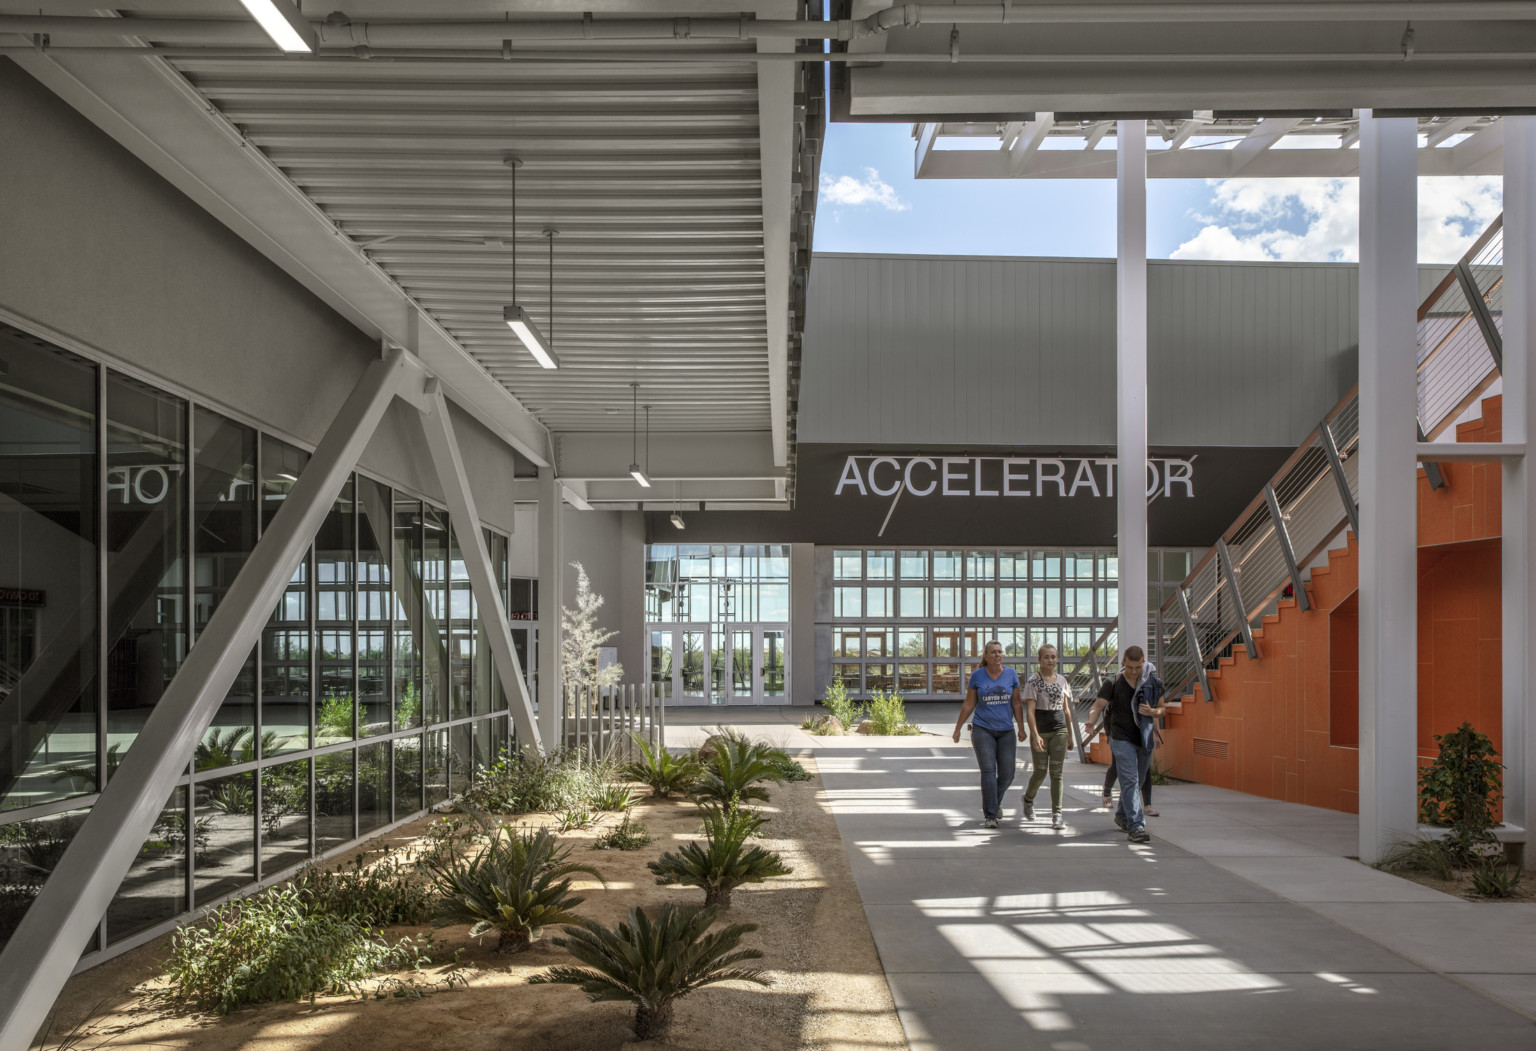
[[1294, 518]]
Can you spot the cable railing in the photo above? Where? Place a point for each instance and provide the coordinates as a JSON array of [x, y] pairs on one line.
[[1314, 496]]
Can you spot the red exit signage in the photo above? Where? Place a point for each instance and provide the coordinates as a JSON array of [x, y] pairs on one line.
[[23, 597]]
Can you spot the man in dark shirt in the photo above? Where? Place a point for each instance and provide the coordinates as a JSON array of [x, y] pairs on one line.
[[1134, 701]]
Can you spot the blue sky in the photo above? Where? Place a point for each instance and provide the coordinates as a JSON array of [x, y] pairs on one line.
[[870, 202]]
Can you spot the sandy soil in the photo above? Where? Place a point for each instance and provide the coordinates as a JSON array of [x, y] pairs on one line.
[[1461, 887], [828, 991]]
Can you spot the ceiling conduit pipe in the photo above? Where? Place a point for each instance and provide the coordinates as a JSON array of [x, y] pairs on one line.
[[340, 31]]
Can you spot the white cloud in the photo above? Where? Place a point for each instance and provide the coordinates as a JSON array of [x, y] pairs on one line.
[[852, 192], [1318, 220]]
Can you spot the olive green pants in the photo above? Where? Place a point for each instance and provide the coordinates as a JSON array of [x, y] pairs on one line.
[[1050, 761]]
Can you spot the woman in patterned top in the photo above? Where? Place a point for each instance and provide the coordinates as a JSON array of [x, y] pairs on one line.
[[1046, 697]]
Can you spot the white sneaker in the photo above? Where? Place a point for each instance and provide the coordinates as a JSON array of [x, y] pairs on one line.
[[990, 822], [1057, 821]]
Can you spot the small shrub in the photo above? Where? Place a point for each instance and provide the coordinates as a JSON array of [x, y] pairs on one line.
[[1464, 784], [723, 861], [573, 819], [848, 712], [1159, 774], [517, 884], [654, 962], [1419, 855], [789, 768], [626, 835], [527, 782], [661, 771], [888, 715], [613, 797], [1495, 879], [271, 947], [382, 894], [408, 708]]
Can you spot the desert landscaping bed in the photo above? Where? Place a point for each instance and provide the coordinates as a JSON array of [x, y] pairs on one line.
[[828, 989]]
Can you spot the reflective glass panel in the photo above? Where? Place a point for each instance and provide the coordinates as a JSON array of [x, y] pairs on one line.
[[914, 602], [914, 565], [285, 816], [946, 565], [48, 516], [461, 644], [847, 565], [223, 836], [373, 787], [877, 602], [946, 602], [407, 776], [335, 788], [335, 559], [405, 586], [435, 614], [911, 642], [146, 502], [846, 602], [461, 758], [878, 677], [374, 604], [29, 852], [850, 675], [285, 641], [436, 767], [155, 889], [224, 520], [880, 565], [775, 644], [879, 642], [946, 678]]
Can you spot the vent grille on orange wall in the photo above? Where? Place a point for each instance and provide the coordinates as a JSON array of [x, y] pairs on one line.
[[1210, 749]]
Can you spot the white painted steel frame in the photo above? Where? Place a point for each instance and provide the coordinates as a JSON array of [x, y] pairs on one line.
[[1518, 574], [551, 604], [42, 951], [1388, 485], [1131, 378], [449, 464]]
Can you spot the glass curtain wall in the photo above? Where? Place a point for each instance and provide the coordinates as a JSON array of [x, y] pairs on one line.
[[128, 513], [915, 620], [717, 617]]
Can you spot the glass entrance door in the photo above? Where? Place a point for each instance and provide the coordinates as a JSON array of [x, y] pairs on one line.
[[721, 664]]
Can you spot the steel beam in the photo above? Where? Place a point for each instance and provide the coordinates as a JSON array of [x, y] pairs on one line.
[[551, 603], [1389, 300], [1286, 549], [1480, 312], [1518, 572], [1131, 376], [449, 463], [1194, 642], [45, 946], [1235, 593], [1336, 468]]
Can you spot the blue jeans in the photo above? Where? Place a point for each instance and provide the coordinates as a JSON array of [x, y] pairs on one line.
[[1131, 765], [996, 751]]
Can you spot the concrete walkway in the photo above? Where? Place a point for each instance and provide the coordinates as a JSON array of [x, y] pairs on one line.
[[1242, 924]]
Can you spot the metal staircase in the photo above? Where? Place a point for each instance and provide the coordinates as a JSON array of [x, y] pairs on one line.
[[1313, 497]]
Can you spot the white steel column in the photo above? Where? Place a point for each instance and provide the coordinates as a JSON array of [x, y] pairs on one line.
[[1131, 376], [477, 561], [1518, 575], [551, 602], [1389, 285], [43, 951]]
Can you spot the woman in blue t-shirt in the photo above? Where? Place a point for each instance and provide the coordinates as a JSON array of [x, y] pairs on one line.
[[993, 695]]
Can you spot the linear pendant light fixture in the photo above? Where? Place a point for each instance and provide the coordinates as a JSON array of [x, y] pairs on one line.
[[283, 22], [634, 434], [518, 319]]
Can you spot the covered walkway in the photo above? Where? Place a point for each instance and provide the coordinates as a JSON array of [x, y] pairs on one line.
[[1243, 923]]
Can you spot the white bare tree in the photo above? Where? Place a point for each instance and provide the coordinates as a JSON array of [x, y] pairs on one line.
[[582, 640]]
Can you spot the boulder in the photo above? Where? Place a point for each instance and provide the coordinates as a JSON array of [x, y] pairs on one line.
[[829, 726], [866, 727]]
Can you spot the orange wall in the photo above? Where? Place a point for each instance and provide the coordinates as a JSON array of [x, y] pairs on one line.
[[1289, 721]]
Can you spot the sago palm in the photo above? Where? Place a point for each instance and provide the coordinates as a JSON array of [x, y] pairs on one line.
[[654, 962], [738, 770], [724, 861], [517, 884], [660, 770]]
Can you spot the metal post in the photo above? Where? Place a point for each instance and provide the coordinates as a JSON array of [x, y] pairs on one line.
[[1518, 575], [1194, 642], [1131, 376], [1480, 313], [449, 463], [1336, 468], [1298, 586], [42, 951], [1388, 490], [1224, 558], [551, 602]]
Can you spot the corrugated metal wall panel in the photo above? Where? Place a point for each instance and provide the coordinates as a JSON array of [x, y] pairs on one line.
[[991, 351]]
